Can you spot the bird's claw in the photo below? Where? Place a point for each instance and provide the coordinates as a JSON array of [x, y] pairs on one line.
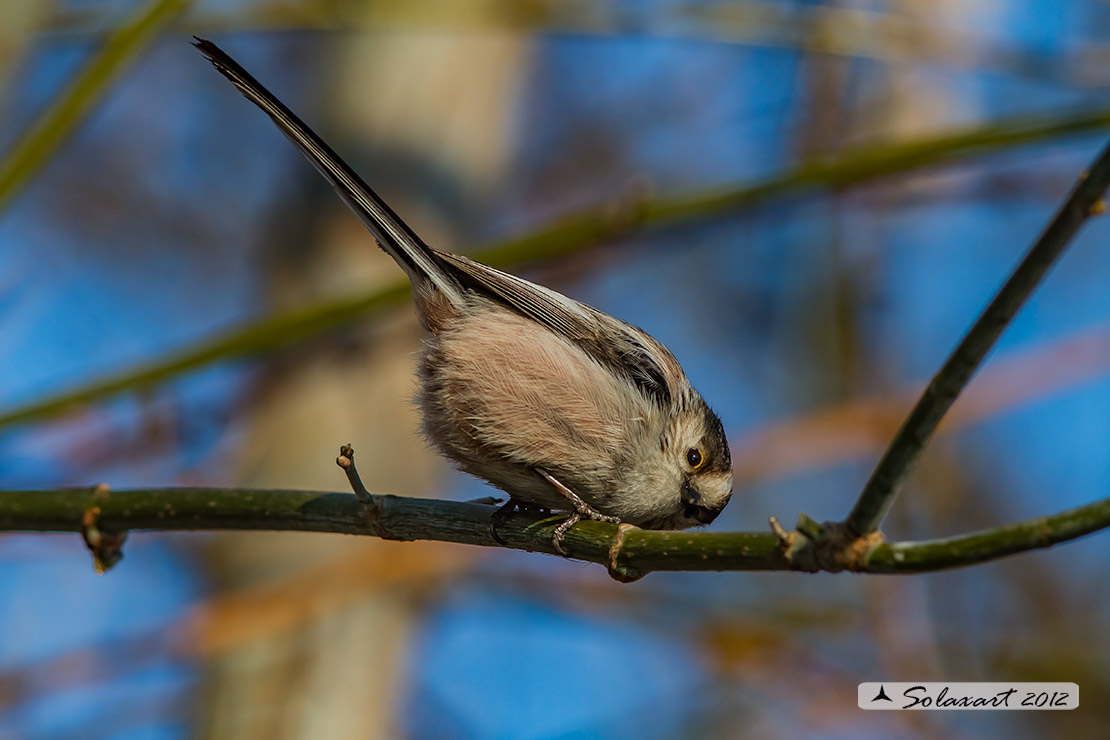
[[582, 511], [499, 517]]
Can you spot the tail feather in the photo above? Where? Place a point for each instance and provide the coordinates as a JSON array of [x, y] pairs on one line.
[[393, 235]]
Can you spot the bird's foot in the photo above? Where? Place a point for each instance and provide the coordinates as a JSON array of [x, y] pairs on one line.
[[506, 510], [582, 510]]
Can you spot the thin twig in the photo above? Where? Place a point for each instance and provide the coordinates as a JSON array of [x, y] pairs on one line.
[[630, 552], [370, 505], [902, 452], [346, 461]]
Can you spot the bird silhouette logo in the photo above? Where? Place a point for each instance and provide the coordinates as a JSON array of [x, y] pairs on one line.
[[882, 695]]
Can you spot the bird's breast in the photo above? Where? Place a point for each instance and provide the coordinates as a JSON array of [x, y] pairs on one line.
[[502, 394]]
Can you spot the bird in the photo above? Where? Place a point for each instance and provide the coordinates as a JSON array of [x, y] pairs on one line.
[[558, 404]]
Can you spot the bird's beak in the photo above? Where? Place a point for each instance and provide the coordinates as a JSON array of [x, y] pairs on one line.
[[692, 508]]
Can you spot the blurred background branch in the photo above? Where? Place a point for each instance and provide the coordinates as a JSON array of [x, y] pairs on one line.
[[580, 232], [887, 35], [120, 48]]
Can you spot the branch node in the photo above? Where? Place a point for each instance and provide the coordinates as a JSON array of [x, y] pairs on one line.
[[106, 547], [831, 547], [853, 550], [1098, 207], [370, 504], [618, 572]]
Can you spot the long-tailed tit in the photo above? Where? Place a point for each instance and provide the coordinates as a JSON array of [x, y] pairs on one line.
[[556, 403]]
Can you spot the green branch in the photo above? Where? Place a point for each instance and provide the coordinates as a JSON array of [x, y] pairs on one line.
[[104, 515], [990, 544], [898, 460], [577, 233]]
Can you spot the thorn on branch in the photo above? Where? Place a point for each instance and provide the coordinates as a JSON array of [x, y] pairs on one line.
[[106, 547], [786, 538], [370, 505]]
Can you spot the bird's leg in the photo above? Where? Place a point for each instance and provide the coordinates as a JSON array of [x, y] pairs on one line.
[[582, 510]]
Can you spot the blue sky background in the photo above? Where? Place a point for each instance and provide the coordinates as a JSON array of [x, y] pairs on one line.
[[168, 214]]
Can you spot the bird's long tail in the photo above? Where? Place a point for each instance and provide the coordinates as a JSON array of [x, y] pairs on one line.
[[393, 235]]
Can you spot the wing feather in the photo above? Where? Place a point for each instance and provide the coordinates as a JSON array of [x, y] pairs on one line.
[[611, 342]]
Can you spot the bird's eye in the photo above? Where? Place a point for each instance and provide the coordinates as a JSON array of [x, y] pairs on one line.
[[694, 457]]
